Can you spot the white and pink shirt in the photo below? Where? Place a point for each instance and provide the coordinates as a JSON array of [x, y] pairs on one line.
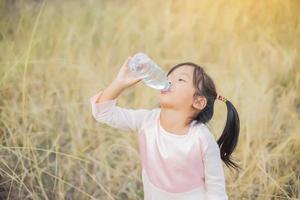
[[174, 167]]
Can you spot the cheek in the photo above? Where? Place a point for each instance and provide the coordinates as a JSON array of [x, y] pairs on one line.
[[183, 91], [185, 98], [178, 97], [184, 95]]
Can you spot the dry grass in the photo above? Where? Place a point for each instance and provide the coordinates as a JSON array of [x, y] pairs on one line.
[[55, 55]]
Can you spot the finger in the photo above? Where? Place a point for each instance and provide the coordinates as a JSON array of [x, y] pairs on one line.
[[137, 80], [125, 64], [128, 60]]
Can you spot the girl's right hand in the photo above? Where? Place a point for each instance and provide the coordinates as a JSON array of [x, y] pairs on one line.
[[125, 77]]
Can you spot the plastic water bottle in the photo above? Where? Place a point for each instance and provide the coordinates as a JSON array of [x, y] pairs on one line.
[[152, 75]]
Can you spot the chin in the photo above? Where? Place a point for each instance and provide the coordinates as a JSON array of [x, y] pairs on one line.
[[163, 100], [166, 104], [162, 103]]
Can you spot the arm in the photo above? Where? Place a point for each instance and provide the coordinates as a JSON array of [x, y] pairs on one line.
[[111, 92], [124, 79], [105, 110], [214, 174]]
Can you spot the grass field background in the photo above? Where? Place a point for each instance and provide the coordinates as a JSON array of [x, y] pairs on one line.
[[54, 55]]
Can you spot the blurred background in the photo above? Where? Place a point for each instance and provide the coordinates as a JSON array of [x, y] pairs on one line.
[[54, 55]]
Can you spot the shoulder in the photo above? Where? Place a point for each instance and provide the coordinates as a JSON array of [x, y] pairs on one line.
[[203, 131], [204, 134], [150, 116]]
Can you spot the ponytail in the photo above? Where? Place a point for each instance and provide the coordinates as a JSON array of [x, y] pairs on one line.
[[229, 137]]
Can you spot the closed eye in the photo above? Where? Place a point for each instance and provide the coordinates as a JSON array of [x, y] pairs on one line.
[[181, 79]]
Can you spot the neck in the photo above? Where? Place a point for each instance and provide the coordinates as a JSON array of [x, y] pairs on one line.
[[175, 121]]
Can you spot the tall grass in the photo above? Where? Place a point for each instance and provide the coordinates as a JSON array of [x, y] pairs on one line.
[[55, 55]]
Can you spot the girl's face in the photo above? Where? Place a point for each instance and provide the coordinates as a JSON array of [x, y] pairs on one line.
[[180, 95]]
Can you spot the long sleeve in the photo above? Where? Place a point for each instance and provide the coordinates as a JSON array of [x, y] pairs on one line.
[[109, 113], [214, 174]]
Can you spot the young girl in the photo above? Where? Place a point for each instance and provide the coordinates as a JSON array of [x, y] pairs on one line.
[[180, 158]]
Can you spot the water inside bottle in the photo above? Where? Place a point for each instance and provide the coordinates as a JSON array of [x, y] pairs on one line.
[[151, 73]]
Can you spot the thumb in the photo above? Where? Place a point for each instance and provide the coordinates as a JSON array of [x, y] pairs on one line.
[[138, 79]]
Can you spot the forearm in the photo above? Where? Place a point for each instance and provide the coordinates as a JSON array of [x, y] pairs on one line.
[[111, 92]]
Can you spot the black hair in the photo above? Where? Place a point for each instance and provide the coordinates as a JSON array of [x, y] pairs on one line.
[[205, 87]]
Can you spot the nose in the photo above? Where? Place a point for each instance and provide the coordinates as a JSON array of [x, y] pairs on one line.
[[169, 89], [170, 83], [168, 79]]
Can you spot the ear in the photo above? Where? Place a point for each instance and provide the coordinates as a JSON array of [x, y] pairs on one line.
[[199, 103]]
